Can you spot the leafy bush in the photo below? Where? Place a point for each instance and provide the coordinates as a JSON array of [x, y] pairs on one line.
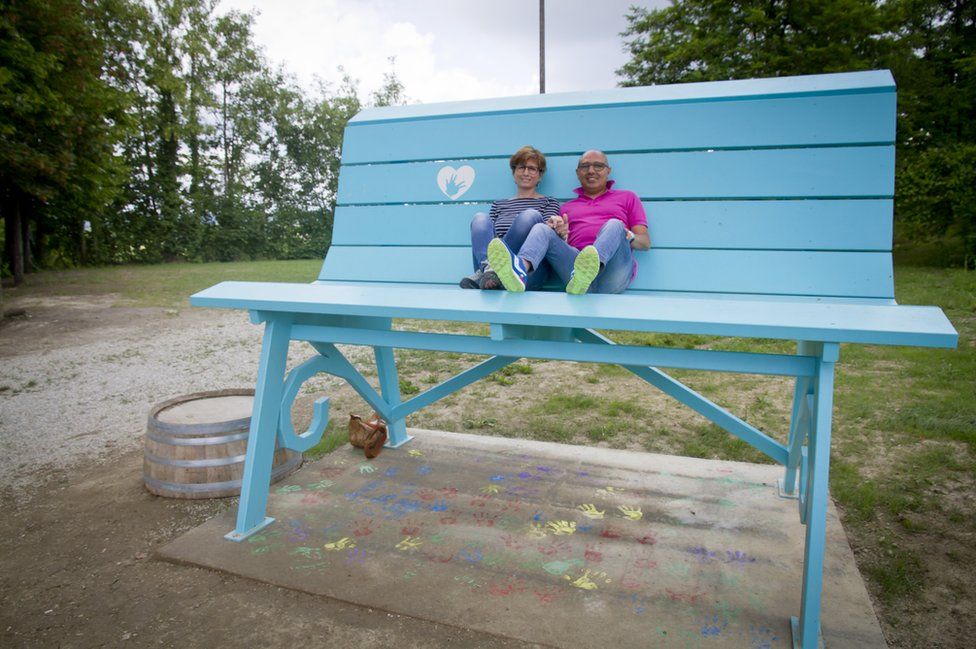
[[936, 199]]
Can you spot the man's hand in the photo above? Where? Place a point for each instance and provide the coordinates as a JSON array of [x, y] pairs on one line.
[[642, 238], [560, 224]]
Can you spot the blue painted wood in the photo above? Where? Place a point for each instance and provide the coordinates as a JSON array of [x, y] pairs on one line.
[[836, 172], [263, 431], [819, 85], [340, 366], [739, 225], [835, 274], [817, 495], [716, 361], [753, 317], [390, 386], [692, 124], [320, 410]]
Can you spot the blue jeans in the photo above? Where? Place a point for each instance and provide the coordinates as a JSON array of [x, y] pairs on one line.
[[483, 231], [544, 246]]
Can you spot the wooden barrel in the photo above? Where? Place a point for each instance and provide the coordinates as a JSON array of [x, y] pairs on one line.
[[195, 446]]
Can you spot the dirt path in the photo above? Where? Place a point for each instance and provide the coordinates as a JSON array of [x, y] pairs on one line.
[[78, 531]]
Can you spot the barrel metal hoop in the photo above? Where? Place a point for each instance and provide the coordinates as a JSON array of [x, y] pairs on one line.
[[197, 441], [192, 464], [218, 486]]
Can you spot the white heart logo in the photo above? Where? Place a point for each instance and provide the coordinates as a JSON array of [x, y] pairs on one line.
[[454, 182]]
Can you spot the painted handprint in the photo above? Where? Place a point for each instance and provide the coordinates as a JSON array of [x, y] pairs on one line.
[[454, 182], [363, 527], [586, 579], [560, 528], [409, 543], [632, 513], [590, 511], [454, 186], [342, 544], [536, 531]]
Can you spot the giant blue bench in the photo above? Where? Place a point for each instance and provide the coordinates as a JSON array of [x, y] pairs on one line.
[[770, 208]]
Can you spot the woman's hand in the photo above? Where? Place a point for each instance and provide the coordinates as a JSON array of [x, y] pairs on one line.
[[560, 224]]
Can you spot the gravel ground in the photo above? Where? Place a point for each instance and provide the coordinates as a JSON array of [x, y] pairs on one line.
[[86, 392]]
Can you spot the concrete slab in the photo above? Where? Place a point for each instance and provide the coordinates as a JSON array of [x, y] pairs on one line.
[[560, 545]]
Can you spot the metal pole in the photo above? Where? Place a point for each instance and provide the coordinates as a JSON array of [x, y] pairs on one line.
[[542, 47]]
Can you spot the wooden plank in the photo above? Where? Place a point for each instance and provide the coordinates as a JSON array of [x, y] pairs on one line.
[[841, 274], [750, 318], [757, 225], [702, 124], [844, 172], [804, 85]]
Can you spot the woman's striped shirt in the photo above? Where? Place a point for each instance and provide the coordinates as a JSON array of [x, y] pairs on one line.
[[503, 212]]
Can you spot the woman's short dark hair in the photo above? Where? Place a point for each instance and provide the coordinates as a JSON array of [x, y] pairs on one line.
[[528, 154]]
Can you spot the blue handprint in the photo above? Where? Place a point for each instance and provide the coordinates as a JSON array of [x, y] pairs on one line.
[[454, 187], [714, 626]]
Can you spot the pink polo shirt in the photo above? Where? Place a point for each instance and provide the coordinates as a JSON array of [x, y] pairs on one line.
[[587, 215]]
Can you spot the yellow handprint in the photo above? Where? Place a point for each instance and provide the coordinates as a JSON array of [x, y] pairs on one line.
[[537, 531], [633, 513], [560, 528], [409, 543], [342, 544], [491, 489], [590, 511], [584, 581], [614, 490], [415, 453]]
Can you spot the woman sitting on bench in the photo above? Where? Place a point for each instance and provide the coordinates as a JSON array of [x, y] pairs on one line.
[[511, 219]]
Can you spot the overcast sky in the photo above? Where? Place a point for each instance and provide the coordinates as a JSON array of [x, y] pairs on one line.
[[446, 49]]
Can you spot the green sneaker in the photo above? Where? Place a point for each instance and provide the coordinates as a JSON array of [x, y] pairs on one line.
[[507, 266], [585, 269]]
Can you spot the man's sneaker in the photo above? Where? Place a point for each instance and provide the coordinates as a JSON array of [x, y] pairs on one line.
[[473, 280], [585, 269], [507, 266]]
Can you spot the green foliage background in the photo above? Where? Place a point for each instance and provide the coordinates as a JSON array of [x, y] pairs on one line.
[[929, 45], [156, 130]]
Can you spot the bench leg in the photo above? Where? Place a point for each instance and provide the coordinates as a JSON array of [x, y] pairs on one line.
[[264, 428], [390, 386], [816, 495], [799, 425]]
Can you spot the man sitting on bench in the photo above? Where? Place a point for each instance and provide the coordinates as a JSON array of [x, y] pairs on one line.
[[590, 247]]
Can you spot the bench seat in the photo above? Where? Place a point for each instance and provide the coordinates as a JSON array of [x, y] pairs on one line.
[[743, 316]]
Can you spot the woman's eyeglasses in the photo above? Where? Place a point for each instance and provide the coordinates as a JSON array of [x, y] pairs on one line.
[[531, 170]]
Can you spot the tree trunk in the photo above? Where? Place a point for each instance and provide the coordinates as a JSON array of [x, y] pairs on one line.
[[13, 236], [26, 243]]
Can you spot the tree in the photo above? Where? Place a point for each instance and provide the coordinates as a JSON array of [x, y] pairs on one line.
[[699, 40], [57, 120], [928, 44]]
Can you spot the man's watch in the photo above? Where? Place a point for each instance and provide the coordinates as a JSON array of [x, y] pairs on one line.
[[631, 236]]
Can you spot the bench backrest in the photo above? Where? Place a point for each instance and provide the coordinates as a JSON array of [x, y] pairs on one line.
[[775, 187]]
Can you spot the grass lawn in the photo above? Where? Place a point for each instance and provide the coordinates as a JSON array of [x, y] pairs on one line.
[[904, 442]]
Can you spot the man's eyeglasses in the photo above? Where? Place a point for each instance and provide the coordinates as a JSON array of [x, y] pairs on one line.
[[531, 170], [595, 166]]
